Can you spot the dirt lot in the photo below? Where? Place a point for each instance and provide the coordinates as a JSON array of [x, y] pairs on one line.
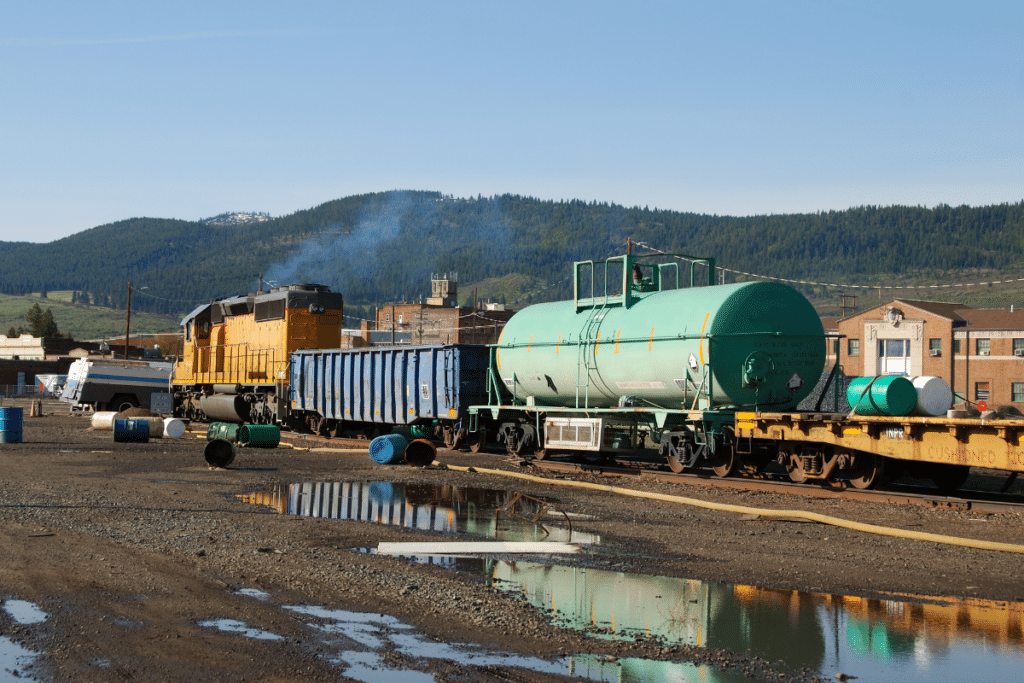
[[129, 548]]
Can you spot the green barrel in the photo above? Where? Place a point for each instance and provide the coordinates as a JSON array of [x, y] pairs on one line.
[[754, 345], [259, 436], [887, 395], [225, 431]]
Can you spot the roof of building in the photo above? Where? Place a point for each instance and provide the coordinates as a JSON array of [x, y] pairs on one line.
[[993, 319], [943, 309]]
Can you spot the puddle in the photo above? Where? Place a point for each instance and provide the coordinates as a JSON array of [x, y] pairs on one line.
[[233, 626], [253, 593], [14, 659], [24, 612], [903, 639], [488, 513], [382, 632]]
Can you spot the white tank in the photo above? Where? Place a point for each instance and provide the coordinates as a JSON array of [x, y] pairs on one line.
[[934, 397], [173, 428]]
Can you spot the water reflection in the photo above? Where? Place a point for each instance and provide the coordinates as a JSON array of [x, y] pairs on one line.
[[489, 513], [906, 639]]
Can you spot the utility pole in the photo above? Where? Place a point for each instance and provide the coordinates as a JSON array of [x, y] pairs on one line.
[[128, 320]]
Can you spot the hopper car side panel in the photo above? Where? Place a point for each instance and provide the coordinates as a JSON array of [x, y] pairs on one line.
[[388, 386]]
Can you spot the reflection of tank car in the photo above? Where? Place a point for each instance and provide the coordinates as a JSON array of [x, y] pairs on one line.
[[236, 351]]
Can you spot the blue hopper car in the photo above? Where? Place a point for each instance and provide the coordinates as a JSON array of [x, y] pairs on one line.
[[369, 390]]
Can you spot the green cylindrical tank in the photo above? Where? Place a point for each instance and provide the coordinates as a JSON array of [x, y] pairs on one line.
[[755, 344], [886, 395]]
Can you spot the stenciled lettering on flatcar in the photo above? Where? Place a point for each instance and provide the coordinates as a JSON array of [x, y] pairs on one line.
[[894, 433]]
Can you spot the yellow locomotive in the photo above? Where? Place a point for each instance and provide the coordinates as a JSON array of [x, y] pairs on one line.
[[236, 351]]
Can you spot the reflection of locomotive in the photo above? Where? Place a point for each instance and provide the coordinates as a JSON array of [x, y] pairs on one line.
[[237, 350]]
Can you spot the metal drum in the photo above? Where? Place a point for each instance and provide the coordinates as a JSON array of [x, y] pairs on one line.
[[228, 431], [131, 431], [887, 395], [388, 449], [10, 425], [219, 453], [259, 436]]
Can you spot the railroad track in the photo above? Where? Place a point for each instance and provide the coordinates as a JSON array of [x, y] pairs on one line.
[[976, 501]]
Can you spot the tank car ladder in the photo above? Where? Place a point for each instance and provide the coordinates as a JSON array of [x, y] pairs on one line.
[[586, 365]]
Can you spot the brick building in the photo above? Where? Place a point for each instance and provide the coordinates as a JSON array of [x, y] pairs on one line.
[[980, 352], [440, 320]]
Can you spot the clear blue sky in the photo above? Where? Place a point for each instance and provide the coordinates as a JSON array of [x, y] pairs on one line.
[[189, 109]]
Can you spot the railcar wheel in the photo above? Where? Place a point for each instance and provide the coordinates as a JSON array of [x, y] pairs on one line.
[[948, 478], [724, 462], [478, 441], [868, 474], [453, 437], [795, 467]]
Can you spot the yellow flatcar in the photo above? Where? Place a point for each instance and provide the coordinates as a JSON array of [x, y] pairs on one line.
[[236, 351]]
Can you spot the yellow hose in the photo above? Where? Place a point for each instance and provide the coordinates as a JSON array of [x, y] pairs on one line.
[[741, 509]]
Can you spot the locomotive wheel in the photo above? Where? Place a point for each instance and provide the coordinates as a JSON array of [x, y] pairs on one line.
[[541, 453], [674, 464], [949, 478], [868, 475]]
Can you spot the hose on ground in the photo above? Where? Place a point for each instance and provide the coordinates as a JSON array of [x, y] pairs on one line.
[[763, 512]]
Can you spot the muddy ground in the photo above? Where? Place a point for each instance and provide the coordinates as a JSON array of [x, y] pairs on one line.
[[128, 548]]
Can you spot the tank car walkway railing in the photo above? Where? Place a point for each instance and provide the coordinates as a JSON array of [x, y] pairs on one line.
[[239, 364]]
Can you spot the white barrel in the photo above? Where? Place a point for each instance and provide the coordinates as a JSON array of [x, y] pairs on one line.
[[173, 428], [103, 421], [934, 397]]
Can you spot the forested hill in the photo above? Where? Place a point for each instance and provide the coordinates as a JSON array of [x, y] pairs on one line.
[[384, 247]]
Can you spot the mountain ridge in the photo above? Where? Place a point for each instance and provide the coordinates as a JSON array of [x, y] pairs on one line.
[[381, 247]]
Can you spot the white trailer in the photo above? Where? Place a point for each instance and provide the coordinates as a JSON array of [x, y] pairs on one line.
[[100, 384]]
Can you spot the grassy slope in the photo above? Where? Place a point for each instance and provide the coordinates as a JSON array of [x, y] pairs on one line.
[[80, 321]]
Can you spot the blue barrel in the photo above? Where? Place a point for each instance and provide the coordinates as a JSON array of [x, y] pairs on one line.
[[259, 436], [888, 395], [10, 425], [388, 449], [131, 431]]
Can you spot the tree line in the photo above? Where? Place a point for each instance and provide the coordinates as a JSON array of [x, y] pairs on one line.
[[383, 247]]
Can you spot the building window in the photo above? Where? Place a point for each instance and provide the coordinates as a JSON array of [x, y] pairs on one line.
[[981, 391], [835, 347], [853, 347], [1018, 347], [1017, 392], [956, 346], [934, 347], [983, 346]]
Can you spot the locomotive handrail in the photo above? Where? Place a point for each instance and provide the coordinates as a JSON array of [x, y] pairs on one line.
[[223, 364]]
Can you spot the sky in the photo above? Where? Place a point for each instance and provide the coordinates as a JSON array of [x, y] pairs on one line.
[[114, 110]]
